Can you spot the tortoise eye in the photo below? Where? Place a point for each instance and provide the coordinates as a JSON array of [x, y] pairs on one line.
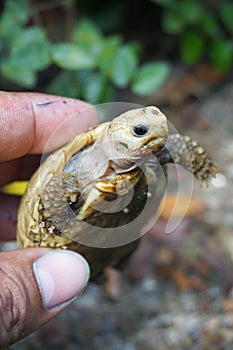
[[140, 130]]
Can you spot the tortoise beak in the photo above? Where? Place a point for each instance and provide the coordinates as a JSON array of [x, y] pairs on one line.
[[156, 143]]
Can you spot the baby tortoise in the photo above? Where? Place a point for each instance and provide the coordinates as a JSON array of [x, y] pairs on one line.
[[89, 196]]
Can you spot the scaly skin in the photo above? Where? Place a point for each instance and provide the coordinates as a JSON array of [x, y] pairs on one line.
[[190, 154]]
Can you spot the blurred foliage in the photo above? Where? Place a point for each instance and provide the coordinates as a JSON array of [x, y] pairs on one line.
[[203, 28], [94, 56], [91, 64]]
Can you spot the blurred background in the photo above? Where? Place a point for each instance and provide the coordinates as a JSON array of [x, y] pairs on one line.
[[93, 50], [177, 54]]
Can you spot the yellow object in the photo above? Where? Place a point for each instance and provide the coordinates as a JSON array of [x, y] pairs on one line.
[[17, 188]]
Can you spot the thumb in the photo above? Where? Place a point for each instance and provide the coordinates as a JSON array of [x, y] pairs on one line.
[[36, 284]]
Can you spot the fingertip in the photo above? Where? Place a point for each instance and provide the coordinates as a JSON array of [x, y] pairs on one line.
[[60, 276], [36, 283]]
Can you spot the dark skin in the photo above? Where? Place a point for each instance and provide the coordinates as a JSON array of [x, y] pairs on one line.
[[27, 121]]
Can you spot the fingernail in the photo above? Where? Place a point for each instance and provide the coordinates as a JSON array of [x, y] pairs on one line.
[[60, 275]]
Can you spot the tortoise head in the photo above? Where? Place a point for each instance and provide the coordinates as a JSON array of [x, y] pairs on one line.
[[138, 132]]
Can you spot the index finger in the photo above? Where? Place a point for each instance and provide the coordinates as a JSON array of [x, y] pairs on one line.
[[27, 120]]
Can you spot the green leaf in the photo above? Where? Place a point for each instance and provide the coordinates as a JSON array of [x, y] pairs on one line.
[[87, 36], [209, 25], [17, 10], [65, 84], [107, 56], [172, 23], [181, 13], [31, 48], [150, 77], [192, 47], [8, 29], [95, 87], [221, 54], [226, 12], [16, 13], [71, 57], [191, 11], [86, 33], [135, 48], [21, 75], [124, 66]]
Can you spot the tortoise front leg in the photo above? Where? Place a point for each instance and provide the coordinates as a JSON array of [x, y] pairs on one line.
[[190, 154]]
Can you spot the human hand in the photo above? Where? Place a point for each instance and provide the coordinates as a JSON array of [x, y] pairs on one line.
[[35, 283]]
